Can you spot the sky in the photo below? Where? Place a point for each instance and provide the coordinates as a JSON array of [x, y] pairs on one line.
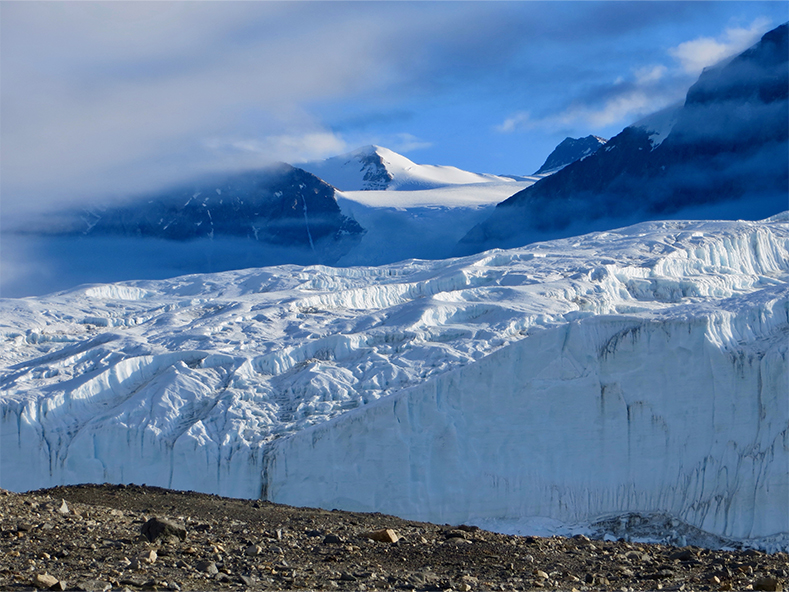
[[109, 99]]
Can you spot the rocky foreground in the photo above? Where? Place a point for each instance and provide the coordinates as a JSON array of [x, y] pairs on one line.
[[111, 537]]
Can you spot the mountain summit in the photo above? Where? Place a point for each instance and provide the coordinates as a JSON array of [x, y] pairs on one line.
[[375, 168]]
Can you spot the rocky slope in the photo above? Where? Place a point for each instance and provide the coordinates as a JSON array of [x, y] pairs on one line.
[[98, 538], [568, 151]]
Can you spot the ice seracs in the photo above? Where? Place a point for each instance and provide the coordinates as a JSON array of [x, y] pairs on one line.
[[636, 370]]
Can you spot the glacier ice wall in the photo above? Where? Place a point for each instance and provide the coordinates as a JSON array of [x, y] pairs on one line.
[[642, 369], [684, 414]]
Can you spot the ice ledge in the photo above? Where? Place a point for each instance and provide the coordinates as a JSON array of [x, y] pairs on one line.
[[607, 416]]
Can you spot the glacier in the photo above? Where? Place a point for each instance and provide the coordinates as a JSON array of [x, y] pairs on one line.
[[569, 383]]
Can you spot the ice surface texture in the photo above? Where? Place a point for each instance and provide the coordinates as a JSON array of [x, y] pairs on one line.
[[636, 370]]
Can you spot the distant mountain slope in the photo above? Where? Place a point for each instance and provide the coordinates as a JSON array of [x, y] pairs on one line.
[[726, 154], [568, 151], [280, 205], [266, 217], [376, 168]]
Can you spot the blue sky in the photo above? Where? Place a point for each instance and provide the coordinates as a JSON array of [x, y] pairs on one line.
[[111, 98]]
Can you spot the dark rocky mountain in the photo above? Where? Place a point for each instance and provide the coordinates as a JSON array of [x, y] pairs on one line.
[[568, 151], [727, 155], [281, 205]]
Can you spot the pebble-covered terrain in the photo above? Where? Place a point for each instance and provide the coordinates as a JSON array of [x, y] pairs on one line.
[[114, 537]]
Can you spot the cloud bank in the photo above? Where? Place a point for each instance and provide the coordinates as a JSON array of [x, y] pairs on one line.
[[116, 98]]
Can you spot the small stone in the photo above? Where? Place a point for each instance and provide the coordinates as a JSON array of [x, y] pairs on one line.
[[94, 586], [541, 574], [314, 533], [160, 527], [208, 567], [331, 538], [456, 534], [59, 586], [246, 580], [772, 584], [467, 528], [44, 580], [386, 535], [253, 550], [346, 577], [150, 557], [63, 509], [682, 555]]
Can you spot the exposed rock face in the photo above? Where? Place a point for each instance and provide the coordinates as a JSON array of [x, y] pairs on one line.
[[730, 143], [568, 151], [376, 175]]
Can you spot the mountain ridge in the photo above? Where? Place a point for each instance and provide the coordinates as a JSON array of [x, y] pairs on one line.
[[727, 146]]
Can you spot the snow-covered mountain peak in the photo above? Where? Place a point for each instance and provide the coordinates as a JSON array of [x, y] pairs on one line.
[[375, 168]]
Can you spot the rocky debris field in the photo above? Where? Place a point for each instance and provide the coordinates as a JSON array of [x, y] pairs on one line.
[[115, 537]]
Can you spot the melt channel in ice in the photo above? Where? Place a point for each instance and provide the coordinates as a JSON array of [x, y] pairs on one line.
[[583, 381]]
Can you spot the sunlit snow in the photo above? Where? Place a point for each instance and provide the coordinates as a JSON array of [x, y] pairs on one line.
[[635, 370]]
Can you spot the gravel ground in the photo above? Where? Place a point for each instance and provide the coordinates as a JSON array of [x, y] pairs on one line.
[[102, 537]]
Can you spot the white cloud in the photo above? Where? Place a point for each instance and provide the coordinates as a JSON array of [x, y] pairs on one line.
[[697, 54], [623, 109], [518, 121], [649, 74], [406, 142], [648, 89], [291, 148]]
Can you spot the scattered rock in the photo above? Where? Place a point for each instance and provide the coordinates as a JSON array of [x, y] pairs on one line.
[[44, 580], [208, 567], [161, 527], [63, 509], [234, 546], [769, 583], [682, 555], [386, 535], [246, 580], [94, 586]]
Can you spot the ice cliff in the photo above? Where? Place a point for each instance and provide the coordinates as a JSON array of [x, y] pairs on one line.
[[641, 370]]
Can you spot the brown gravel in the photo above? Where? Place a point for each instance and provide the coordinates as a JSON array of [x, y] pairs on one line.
[[90, 538]]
